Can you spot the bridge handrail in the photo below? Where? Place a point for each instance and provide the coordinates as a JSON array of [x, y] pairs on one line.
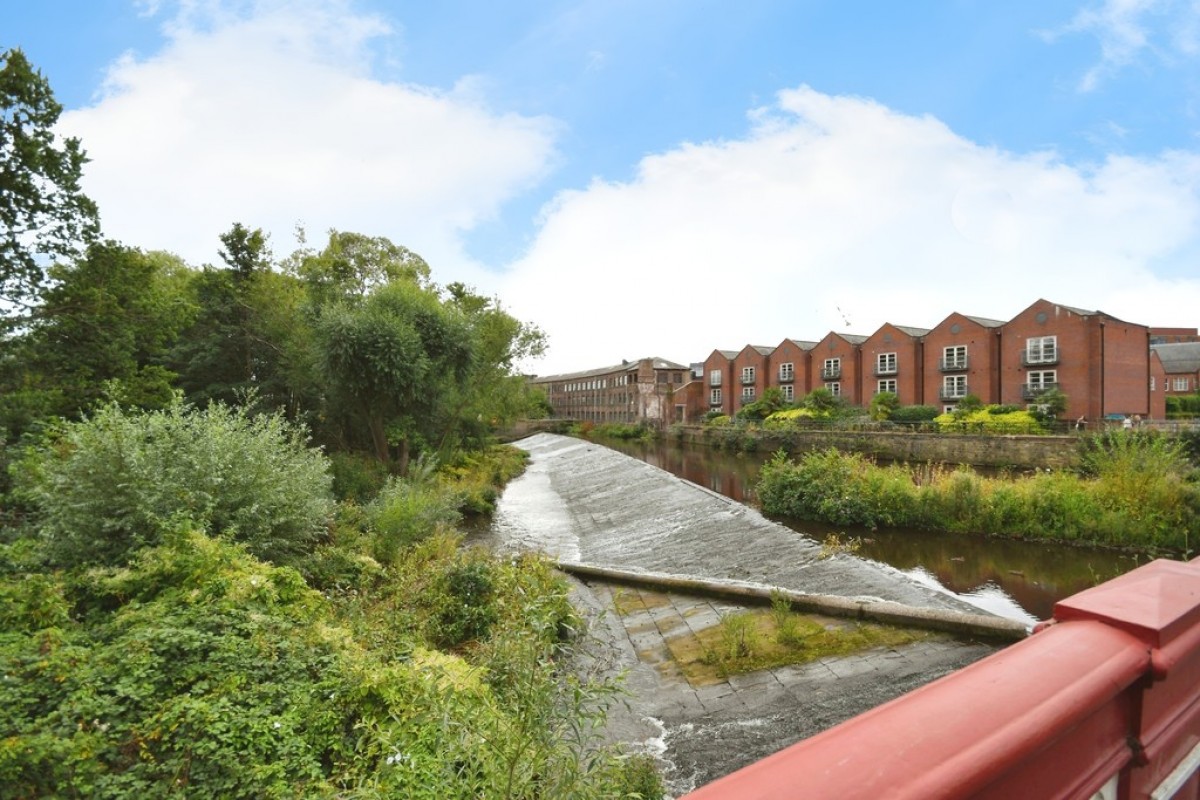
[[1106, 698]]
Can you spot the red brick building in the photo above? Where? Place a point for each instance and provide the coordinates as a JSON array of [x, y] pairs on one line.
[[632, 392], [962, 357], [836, 364], [751, 370], [791, 368], [718, 380], [1101, 363], [893, 361]]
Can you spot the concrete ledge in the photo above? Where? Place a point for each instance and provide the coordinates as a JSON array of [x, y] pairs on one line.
[[976, 625]]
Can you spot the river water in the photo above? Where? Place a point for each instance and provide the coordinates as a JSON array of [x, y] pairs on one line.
[[1020, 580]]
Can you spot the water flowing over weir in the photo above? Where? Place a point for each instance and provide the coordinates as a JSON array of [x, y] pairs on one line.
[[583, 502], [588, 504]]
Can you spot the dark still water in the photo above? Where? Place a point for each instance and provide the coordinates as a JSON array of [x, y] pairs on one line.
[[1015, 579]]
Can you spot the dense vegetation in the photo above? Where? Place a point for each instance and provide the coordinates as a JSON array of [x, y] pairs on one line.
[[1133, 490], [229, 498]]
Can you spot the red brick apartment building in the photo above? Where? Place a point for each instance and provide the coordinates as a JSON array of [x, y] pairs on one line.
[[1104, 366]]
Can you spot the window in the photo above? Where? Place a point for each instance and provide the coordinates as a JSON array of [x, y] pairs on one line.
[[1041, 350], [787, 372], [834, 388], [714, 397], [1179, 384], [954, 357], [885, 364], [747, 374], [789, 393], [1045, 379], [888, 385], [714, 378], [832, 369], [1152, 383], [954, 387], [747, 394]]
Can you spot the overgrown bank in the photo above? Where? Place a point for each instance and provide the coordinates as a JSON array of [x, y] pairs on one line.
[[163, 635], [1131, 490]]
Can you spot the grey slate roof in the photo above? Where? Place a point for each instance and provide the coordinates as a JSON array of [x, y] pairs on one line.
[[1179, 357]]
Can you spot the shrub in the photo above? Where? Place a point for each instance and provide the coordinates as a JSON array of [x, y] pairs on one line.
[[914, 414], [108, 486], [990, 420], [407, 511]]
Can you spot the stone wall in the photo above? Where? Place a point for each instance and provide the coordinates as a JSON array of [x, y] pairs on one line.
[[978, 450]]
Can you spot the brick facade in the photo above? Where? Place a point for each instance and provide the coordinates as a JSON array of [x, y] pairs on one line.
[[962, 357], [892, 361]]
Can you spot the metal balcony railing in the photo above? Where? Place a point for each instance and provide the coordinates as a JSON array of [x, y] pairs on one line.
[[831, 374], [1032, 390], [953, 393], [747, 380], [952, 364], [886, 370]]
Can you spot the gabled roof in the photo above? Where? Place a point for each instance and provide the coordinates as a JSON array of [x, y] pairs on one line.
[[762, 349], [985, 322], [916, 333], [803, 344], [1179, 357], [853, 338]]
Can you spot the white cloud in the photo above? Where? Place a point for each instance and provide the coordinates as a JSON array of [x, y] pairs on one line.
[[267, 114], [840, 203], [1125, 29]]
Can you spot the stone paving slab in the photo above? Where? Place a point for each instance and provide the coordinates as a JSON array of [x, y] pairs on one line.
[[701, 732]]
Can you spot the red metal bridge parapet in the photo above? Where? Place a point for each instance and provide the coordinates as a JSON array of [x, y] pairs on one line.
[[1103, 701]]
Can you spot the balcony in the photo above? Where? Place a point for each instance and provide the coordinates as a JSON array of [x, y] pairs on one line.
[[1040, 358], [786, 377], [953, 392], [714, 380], [886, 370], [747, 380], [1031, 390], [953, 364], [831, 374]]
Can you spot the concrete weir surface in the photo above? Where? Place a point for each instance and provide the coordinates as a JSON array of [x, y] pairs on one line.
[[584, 503]]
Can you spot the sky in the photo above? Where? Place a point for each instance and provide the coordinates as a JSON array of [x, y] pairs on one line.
[[661, 177]]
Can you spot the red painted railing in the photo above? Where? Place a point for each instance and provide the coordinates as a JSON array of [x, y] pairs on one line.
[[1101, 702]]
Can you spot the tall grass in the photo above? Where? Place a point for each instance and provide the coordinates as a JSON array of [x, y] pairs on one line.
[[1133, 490]]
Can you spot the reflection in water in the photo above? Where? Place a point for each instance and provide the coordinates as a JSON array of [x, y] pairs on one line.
[[1016, 579]]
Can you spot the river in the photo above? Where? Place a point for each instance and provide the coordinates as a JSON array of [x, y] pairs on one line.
[[1021, 580]]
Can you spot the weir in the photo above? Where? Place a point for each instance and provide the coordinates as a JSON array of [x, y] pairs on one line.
[[586, 504]]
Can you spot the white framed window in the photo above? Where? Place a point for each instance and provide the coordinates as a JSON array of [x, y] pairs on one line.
[[1152, 384], [954, 357], [948, 409], [888, 385], [1041, 350], [747, 394], [885, 364], [1041, 380], [714, 377], [954, 386], [787, 372], [789, 393], [1180, 384], [714, 397], [832, 368], [747, 374], [835, 388]]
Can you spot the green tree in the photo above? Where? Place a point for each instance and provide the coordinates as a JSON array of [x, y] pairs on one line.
[[352, 265], [772, 400], [494, 393], [43, 211], [394, 359], [102, 331], [883, 405], [822, 400]]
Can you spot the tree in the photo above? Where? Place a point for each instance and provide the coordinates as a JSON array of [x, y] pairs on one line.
[[43, 211], [353, 265], [101, 332], [883, 405], [395, 357]]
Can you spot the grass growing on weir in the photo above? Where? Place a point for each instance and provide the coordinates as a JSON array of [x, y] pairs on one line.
[[747, 641]]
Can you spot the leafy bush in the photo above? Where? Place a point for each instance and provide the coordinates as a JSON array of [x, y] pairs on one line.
[[357, 476], [110, 485], [407, 511], [914, 414], [990, 419]]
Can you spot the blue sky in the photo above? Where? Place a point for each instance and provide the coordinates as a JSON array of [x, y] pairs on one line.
[[663, 178]]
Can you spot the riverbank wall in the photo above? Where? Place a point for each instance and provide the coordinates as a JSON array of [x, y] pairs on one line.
[[995, 451]]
